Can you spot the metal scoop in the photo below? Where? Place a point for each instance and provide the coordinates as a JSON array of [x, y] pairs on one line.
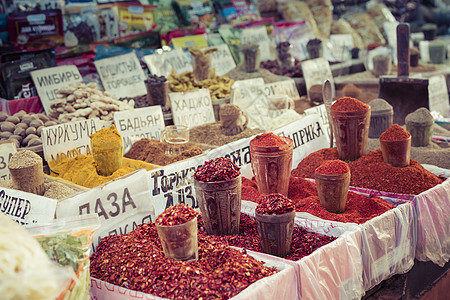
[[327, 95]]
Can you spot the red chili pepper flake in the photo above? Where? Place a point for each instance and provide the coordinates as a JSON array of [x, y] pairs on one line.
[[303, 242], [395, 133], [274, 204], [176, 215], [218, 169], [358, 208], [370, 171], [349, 104], [136, 261], [269, 140], [333, 167]]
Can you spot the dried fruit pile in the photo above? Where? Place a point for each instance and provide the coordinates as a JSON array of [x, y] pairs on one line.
[[303, 242], [136, 261]]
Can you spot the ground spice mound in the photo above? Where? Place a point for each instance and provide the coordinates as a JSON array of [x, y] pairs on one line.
[[332, 167], [212, 134], [303, 242], [358, 209], [370, 171], [152, 151], [395, 133], [268, 140], [310, 163], [136, 261], [23, 159], [349, 104]]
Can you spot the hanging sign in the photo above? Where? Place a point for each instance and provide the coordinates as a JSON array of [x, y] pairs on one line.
[[122, 75], [50, 80]]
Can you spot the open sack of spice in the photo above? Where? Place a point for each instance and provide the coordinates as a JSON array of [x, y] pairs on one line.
[[68, 242], [137, 263]]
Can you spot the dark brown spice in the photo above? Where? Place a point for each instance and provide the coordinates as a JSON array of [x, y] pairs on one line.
[[395, 133]]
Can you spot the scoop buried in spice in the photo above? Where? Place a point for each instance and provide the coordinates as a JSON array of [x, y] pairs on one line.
[[395, 145], [107, 150], [333, 181]]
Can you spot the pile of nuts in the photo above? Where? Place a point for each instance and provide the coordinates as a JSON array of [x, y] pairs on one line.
[[23, 129], [84, 101]]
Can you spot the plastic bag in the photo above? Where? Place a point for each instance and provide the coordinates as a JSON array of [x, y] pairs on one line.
[[68, 242]]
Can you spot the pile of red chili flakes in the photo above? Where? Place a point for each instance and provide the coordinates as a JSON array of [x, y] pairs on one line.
[[136, 261], [303, 242], [218, 169], [303, 193], [274, 204], [371, 172], [176, 215]]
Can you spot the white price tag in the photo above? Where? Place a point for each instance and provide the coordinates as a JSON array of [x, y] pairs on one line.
[[322, 112], [316, 71], [68, 139], [341, 45], [146, 122], [438, 94], [257, 35], [122, 75], [424, 51], [121, 204], [162, 64], [50, 80], [192, 108], [7, 150], [26, 208], [284, 87], [222, 60]]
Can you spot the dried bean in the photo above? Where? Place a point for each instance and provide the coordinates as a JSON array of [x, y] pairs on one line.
[[36, 123], [30, 130], [7, 126], [3, 116], [12, 119], [19, 131], [34, 142]]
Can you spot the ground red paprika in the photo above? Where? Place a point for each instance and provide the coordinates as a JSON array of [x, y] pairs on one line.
[[358, 208], [348, 104], [395, 133], [310, 163], [332, 167], [218, 169], [269, 140]]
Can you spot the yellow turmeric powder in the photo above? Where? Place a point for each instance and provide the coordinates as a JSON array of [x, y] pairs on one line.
[[107, 149], [82, 170]]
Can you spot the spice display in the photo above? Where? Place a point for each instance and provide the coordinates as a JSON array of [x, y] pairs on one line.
[[351, 90], [136, 261], [303, 194], [69, 244], [84, 101], [25, 269], [274, 67], [274, 204], [437, 51], [322, 10], [157, 91], [175, 139], [218, 169], [429, 31], [367, 28], [232, 119], [382, 65], [351, 121], [201, 62], [303, 242], [219, 86], [381, 117], [414, 55], [348, 104], [394, 133], [52, 189], [26, 171], [332, 167], [217, 186], [212, 133], [333, 181], [420, 124], [271, 157], [152, 151], [297, 11], [139, 101], [252, 57], [107, 150], [341, 26], [370, 171], [82, 170], [23, 129], [284, 54], [176, 215], [314, 48], [239, 73]]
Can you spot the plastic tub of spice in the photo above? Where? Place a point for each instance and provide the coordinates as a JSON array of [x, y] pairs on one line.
[[395, 145], [232, 119], [381, 117], [275, 220], [284, 55], [382, 65], [158, 91], [107, 150], [177, 231], [314, 48], [271, 157], [252, 57], [201, 62], [437, 52], [351, 121], [429, 31], [420, 124], [217, 186], [333, 181]]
